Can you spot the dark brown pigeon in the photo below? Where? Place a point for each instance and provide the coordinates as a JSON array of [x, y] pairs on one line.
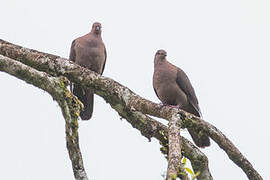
[[88, 51], [173, 87]]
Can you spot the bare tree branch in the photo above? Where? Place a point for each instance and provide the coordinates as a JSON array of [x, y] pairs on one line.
[[151, 128], [120, 96], [146, 125], [70, 106], [224, 143], [175, 167]]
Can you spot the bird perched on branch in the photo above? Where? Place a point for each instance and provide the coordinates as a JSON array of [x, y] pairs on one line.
[[173, 87], [89, 52]]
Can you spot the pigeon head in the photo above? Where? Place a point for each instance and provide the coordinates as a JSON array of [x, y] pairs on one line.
[[96, 28], [161, 54]]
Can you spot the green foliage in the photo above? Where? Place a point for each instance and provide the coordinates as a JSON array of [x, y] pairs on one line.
[[196, 175], [184, 161], [189, 171]]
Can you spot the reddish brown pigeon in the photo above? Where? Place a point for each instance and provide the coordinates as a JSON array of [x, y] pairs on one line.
[[173, 87], [88, 51]]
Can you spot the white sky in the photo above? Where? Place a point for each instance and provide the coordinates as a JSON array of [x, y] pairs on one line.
[[223, 46]]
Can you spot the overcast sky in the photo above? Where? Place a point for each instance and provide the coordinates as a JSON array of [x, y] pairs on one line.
[[223, 46]]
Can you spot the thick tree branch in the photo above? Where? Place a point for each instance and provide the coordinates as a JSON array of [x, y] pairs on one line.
[[118, 95], [175, 168], [151, 128], [148, 127], [224, 143], [70, 106]]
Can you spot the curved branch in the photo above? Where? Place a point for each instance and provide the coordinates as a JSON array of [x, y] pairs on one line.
[[70, 106], [146, 125], [115, 93], [151, 128], [224, 143]]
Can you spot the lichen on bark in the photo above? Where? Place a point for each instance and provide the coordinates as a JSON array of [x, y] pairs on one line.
[[126, 102], [70, 105]]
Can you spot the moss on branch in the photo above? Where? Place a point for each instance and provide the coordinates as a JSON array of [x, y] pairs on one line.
[[70, 105], [124, 100]]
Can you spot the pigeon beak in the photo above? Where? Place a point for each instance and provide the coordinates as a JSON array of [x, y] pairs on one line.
[[97, 28]]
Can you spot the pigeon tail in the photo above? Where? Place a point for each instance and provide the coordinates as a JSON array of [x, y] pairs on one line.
[[86, 96]]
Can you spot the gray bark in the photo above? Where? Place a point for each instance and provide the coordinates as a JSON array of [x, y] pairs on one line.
[[129, 105], [69, 104], [175, 168]]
